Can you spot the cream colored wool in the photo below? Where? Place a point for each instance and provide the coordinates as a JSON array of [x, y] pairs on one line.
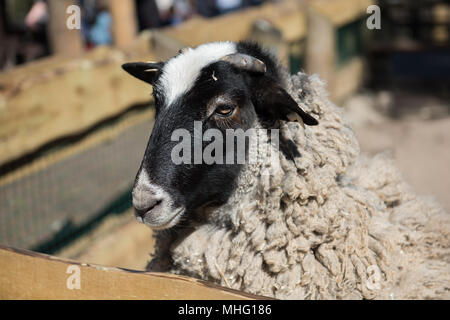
[[332, 225]]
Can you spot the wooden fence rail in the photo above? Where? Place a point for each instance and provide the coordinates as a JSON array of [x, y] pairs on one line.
[[29, 275]]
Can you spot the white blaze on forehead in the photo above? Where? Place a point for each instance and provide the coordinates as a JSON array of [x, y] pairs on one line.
[[179, 73]]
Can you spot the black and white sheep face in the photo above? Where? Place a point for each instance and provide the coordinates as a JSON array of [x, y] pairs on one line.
[[165, 185], [219, 86]]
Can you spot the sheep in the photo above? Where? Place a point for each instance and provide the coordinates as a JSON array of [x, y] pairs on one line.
[[326, 223]]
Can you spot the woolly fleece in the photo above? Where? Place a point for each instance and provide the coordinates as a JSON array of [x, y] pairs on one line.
[[333, 224]]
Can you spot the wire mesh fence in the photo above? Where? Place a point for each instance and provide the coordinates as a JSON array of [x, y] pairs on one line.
[[50, 199]]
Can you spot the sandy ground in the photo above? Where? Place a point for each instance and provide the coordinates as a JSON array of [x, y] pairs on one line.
[[416, 131], [421, 150], [418, 138]]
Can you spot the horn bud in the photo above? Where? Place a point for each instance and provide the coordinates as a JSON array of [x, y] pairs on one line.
[[245, 62], [184, 50]]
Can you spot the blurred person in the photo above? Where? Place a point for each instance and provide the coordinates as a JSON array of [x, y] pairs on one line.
[[207, 8], [226, 6], [255, 2], [88, 14], [36, 18], [96, 23], [165, 10], [173, 12], [148, 14], [100, 31], [89, 9], [212, 8], [182, 10], [36, 22], [4, 57], [24, 32]]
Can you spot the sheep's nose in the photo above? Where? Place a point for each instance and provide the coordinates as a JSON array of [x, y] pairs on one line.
[[144, 200], [150, 205]]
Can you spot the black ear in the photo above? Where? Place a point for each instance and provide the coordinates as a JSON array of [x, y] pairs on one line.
[[273, 102], [145, 71]]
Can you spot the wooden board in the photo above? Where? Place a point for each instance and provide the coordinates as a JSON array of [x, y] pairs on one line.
[[287, 16], [49, 99], [29, 275]]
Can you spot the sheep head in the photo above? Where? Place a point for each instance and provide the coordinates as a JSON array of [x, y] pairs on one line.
[[200, 96]]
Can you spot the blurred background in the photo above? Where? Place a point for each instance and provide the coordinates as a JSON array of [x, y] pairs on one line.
[[73, 125]]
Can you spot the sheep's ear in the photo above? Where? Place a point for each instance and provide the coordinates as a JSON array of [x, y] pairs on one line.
[[272, 101], [145, 71]]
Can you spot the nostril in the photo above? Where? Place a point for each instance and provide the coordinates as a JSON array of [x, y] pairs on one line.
[[141, 211]]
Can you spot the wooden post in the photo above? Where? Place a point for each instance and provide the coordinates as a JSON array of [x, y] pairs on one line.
[[62, 39], [325, 17], [320, 47], [124, 25]]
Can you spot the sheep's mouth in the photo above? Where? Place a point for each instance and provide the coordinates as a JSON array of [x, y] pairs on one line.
[[161, 221]]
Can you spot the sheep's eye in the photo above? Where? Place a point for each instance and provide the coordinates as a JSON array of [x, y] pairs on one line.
[[225, 110]]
